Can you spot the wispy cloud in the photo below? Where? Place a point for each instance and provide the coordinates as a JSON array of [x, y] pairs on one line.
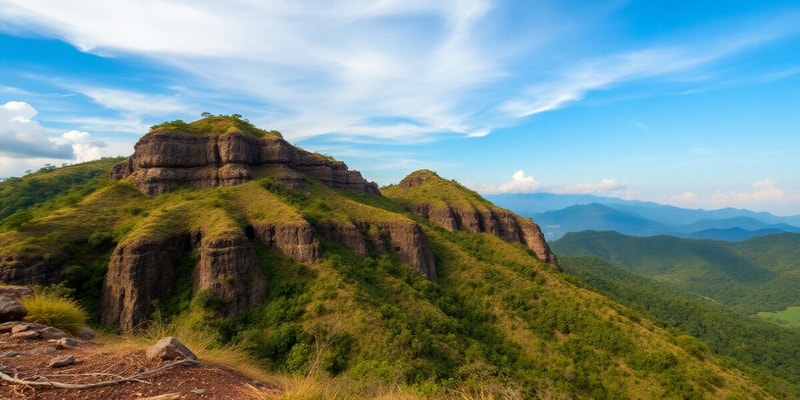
[[762, 195], [439, 67], [521, 183]]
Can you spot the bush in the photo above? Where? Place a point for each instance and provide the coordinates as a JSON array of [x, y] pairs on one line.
[[56, 311]]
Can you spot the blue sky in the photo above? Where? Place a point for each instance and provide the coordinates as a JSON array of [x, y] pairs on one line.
[[691, 103]]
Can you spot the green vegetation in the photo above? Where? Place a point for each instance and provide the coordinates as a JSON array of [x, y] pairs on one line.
[[789, 317], [213, 125], [426, 187], [56, 310], [22, 199], [758, 274], [770, 352]]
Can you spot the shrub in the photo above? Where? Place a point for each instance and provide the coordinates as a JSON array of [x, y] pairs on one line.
[[56, 311]]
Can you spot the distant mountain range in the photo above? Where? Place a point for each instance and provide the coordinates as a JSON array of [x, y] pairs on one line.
[[558, 214]]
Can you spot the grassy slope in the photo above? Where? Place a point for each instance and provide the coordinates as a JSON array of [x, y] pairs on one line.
[[772, 352], [759, 274], [497, 321]]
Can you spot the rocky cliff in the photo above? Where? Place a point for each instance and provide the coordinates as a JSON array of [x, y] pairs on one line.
[[227, 268], [165, 159], [468, 212]]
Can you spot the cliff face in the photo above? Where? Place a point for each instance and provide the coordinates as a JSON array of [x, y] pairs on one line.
[[227, 267], [32, 269], [162, 161], [471, 215]]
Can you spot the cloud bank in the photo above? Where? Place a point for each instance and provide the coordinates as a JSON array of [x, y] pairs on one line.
[[22, 138]]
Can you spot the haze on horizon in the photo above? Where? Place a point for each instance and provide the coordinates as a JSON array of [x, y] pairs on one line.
[[692, 104]]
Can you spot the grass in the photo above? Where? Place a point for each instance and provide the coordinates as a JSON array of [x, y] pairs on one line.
[[790, 316], [56, 311], [215, 125]]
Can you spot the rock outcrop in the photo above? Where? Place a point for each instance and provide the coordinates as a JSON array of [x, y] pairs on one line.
[[32, 269], [164, 160], [228, 268], [141, 271], [145, 270], [475, 215]]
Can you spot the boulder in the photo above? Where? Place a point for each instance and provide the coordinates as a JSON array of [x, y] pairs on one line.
[[169, 348], [86, 334], [11, 310], [50, 332]]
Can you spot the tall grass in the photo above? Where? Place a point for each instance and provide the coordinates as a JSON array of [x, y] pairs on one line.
[[56, 311]]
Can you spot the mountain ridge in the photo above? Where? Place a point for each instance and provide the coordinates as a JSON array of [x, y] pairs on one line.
[[426, 285], [559, 214]]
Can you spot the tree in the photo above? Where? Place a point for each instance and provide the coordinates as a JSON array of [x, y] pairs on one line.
[[206, 114]]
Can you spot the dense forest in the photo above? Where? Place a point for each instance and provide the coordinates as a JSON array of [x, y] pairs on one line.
[[758, 274]]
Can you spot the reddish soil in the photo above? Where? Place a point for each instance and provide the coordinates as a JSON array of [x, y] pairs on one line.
[[95, 362]]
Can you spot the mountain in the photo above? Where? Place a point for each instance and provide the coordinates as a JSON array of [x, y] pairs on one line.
[[559, 214], [757, 274], [596, 216], [220, 227]]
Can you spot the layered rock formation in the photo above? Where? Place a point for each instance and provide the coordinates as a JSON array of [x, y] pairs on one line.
[[164, 160], [227, 268], [478, 218]]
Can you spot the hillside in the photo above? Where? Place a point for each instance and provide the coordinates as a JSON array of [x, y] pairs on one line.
[[298, 260], [758, 274], [765, 347]]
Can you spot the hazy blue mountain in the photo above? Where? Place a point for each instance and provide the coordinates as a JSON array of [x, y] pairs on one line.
[[595, 216], [558, 214]]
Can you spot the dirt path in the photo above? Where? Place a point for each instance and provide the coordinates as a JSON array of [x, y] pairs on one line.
[[96, 362]]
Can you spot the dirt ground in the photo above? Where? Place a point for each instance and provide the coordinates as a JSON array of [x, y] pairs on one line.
[[95, 362]]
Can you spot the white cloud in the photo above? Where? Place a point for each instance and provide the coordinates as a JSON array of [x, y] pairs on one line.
[[521, 183], [21, 137], [762, 195], [84, 147], [314, 69], [441, 66]]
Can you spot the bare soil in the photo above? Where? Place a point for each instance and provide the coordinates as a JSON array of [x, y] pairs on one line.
[[95, 362]]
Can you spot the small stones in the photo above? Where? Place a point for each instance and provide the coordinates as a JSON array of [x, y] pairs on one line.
[[64, 343], [27, 335], [61, 361]]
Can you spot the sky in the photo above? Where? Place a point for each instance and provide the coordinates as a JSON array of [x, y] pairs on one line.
[[689, 103]]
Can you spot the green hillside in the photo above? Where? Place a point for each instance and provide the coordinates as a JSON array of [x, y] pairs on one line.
[[771, 352], [758, 274], [498, 323]]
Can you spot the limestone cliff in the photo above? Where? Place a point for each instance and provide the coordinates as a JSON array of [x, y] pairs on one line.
[[165, 159]]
